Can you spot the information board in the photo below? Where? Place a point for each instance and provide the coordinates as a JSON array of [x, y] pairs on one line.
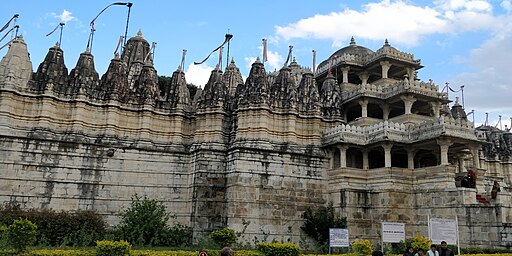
[[393, 232], [338, 237], [443, 230]]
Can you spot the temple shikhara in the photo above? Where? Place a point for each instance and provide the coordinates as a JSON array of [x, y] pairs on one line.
[[363, 132]]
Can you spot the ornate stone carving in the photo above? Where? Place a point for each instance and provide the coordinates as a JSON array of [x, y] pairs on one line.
[[52, 74], [15, 66], [232, 78], [330, 98], [215, 92], [83, 79], [256, 88], [308, 99], [114, 83], [283, 92]]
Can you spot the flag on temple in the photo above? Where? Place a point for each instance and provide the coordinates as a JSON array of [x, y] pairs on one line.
[[226, 40]]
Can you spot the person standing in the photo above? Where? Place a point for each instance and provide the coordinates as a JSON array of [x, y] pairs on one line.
[[433, 251], [420, 252], [445, 251]]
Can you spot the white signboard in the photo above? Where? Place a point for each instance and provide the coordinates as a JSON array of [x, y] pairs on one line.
[[393, 232], [443, 230], [338, 237]]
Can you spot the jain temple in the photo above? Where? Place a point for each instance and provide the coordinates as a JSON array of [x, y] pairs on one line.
[[362, 131]]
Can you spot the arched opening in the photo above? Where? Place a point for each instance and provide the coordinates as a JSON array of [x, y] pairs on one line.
[[376, 158], [425, 158], [353, 112], [375, 111], [398, 157], [422, 108], [396, 109], [354, 158]]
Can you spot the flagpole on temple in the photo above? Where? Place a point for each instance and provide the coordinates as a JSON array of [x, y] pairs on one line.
[[227, 54], [15, 18], [314, 62], [127, 21], [462, 91]]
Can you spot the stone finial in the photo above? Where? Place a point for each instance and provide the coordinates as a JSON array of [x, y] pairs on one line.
[[139, 33], [258, 60], [386, 43], [352, 41]]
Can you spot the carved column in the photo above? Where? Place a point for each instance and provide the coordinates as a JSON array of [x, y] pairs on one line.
[[366, 164], [461, 163], [436, 106], [385, 65], [410, 74], [444, 145], [364, 77], [331, 159], [387, 154], [345, 74], [385, 112], [476, 157], [343, 155], [408, 101], [364, 108]]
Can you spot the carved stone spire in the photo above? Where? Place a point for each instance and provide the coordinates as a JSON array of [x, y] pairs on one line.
[[330, 98], [215, 92], [307, 95], [283, 90], [15, 66], [256, 88], [145, 89], [83, 79], [458, 111], [114, 83], [134, 55], [232, 78], [177, 94], [52, 73]]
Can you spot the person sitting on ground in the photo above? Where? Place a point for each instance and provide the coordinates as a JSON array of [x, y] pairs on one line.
[[226, 251], [433, 251], [420, 252], [445, 251], [409, 251]]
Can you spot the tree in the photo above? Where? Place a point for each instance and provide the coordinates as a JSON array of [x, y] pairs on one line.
[[144, 222], [21, 234], [317, 223]]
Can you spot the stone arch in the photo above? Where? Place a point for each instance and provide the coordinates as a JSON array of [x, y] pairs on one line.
[[422, 108], [425, 158]]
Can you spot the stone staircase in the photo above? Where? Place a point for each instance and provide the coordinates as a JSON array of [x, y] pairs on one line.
[[482, 199]]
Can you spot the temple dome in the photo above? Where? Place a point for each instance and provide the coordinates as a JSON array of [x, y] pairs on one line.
[[353, 49]]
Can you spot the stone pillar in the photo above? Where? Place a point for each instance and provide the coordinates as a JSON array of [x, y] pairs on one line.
[[444, 145], [343, 155], [385, 112], [385, 65], [364, 108], [410, 74], [436, 106], [410, 157], [387, 154], [331, 160], [366, 164], [461, 163], [345, 74], [364, 77], [475, 151], [408, 101]]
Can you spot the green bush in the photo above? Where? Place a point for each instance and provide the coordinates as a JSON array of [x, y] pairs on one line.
[[112, 248], [21, 234], [179, 235], [58, 228], [317, 223], [420, 242], [278, 249], [224, 236], [144, 222], [362, 247]]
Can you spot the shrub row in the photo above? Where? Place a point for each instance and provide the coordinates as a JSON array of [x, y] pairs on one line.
[[58, 228], [278, 249]]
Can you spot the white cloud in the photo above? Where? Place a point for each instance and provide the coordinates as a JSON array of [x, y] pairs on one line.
[[507, 5], [66, 16], [489, 84], [400, 21], [275, 60], [198, 74]]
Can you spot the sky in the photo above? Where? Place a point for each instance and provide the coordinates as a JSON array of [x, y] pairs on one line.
[[460, 42]]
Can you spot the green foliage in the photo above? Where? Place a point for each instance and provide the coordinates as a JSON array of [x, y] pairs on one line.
[[112, 248], [362, 247], [3, 231], [58, 228], [144, 222], [21, 234], [317, 223], [224, 236], [420, 242], [278, 249], [62, 253], [164, 82]]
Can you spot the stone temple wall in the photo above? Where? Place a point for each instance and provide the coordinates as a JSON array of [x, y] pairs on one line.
[[76, 156]]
